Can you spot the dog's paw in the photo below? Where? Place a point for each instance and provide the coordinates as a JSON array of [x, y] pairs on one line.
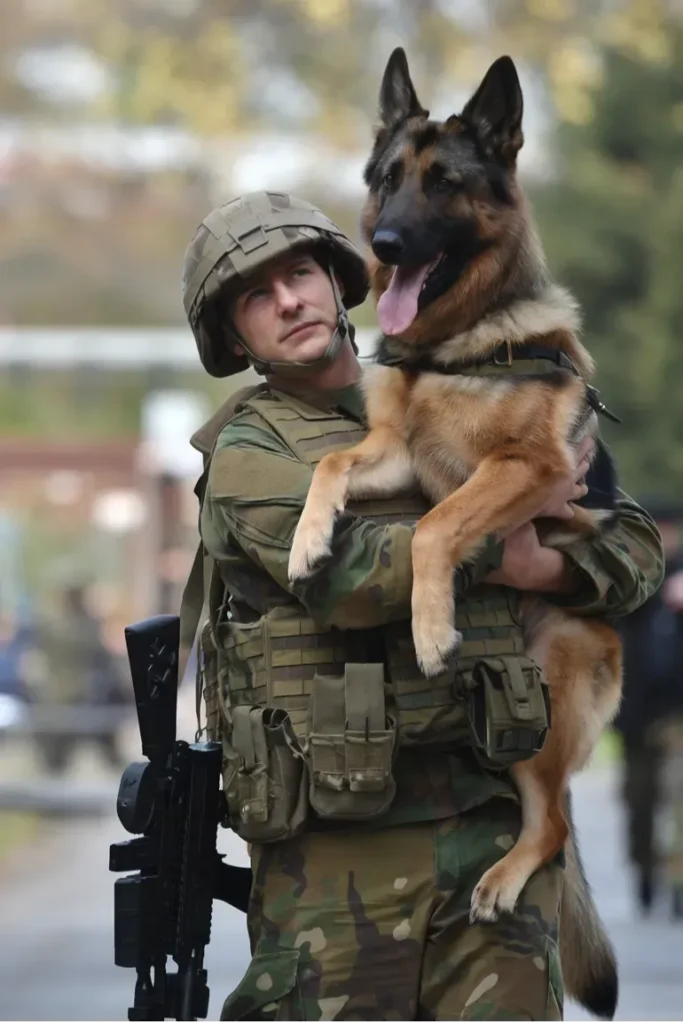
[[311, 543], [436, 641], [495, 894]]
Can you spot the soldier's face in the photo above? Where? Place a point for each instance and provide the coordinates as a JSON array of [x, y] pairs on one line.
[[287, 310]]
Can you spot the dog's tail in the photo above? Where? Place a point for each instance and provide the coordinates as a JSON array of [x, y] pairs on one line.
[[589, 964]]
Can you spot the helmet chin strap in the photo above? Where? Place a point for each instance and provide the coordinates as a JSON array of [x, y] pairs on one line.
[[292, 369]]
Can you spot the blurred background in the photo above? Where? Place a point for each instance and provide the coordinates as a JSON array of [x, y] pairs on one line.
[[122, 123]]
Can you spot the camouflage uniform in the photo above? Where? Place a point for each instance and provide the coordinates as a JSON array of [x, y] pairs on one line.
[[363, 919], [371, 923]]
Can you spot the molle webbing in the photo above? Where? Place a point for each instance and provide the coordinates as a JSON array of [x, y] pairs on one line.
[[309, 433], [273, 661], [312, 433], [431, 709]]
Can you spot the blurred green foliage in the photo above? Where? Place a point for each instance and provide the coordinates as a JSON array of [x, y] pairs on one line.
[[612, 226], [83, 243]]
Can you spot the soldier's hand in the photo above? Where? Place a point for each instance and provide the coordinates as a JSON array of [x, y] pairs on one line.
[[527, 565], [571, 489], [672, 592]]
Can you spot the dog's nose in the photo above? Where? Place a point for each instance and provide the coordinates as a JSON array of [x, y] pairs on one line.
[[387, 246]]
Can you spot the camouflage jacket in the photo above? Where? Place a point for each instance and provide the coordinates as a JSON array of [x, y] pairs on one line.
[[247, 526]]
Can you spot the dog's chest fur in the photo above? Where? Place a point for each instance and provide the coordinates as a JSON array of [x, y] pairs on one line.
[[445, 428], [451, 422]]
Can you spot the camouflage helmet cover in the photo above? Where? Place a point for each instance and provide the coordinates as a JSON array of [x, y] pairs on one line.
[[238, 238]]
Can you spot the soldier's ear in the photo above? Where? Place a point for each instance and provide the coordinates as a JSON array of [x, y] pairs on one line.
[[239, 351]]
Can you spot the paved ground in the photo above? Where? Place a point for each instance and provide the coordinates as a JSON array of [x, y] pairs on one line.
[[56, 912], [650, 952]]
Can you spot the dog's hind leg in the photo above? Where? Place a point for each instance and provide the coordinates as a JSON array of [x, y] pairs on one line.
[[544, 831], [380, 464], [582, 664]]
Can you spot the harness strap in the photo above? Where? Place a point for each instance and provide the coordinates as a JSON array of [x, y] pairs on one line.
[[506, 355]]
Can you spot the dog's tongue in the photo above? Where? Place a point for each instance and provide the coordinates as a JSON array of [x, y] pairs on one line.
[[397, 307]]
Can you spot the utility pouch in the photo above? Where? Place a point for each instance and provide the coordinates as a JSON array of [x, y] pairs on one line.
[[350, 744], [265, 777], [508, 709]]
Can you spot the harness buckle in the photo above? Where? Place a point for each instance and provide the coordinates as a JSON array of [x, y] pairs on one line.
[[507, 360]]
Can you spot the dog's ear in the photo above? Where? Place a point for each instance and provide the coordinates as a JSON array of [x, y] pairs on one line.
[[397, 96], [495, 111]]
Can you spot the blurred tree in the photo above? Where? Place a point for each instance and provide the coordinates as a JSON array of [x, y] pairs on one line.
[[83, 243], [234, 66], [612, 223]]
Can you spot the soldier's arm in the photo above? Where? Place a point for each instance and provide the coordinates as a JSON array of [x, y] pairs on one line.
[[256, 493], [617, 572]]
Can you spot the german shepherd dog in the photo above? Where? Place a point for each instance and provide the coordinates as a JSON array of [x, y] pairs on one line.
[[461, 283]]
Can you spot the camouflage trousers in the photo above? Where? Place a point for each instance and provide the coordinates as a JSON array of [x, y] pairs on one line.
[[374, 925]]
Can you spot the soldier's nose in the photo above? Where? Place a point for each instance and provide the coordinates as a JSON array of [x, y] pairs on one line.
[[285, 297], [387, 246]]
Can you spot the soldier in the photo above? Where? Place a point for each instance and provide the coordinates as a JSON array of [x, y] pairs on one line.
[[651, 712], [71, 665], [352, 776]]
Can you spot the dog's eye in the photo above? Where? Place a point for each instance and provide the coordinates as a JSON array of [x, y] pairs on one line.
[[438, 179], [388, 179]]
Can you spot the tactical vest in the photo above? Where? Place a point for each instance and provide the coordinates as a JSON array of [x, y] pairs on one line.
[[311, 717]]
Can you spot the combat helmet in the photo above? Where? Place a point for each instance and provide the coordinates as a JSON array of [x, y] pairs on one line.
[[238, 238]]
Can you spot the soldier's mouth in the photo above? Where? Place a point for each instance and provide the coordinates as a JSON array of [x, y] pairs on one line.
[[299, 329]]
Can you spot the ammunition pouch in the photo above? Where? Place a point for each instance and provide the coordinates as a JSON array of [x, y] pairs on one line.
[[309, 726], [350, 744], [508, 709], [264, 775]]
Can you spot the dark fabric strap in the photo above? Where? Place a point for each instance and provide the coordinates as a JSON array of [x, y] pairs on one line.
[[506, 356]]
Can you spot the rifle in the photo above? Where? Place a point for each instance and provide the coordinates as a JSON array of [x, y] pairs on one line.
[[171, 803]]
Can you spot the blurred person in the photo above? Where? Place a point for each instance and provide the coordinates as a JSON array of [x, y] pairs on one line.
[[360, 900], [14, 645], [652, 638], [74, 667], [14, 641]]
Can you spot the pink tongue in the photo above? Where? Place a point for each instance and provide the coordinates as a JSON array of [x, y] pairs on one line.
[[397, 307]]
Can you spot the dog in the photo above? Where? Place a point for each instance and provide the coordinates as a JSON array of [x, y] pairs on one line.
[[464, 300]]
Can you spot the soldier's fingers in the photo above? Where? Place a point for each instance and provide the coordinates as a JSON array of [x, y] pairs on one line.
[[584, 455]]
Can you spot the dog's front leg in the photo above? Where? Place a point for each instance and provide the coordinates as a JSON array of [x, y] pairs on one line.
[[500, 495], [380, 464]]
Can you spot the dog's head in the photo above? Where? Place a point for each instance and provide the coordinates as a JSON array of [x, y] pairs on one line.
[[444, 208]]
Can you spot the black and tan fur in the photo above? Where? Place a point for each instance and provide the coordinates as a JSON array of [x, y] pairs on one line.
[[485, 448]]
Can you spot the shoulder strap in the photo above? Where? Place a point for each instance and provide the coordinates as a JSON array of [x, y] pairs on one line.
[[204, 569]]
